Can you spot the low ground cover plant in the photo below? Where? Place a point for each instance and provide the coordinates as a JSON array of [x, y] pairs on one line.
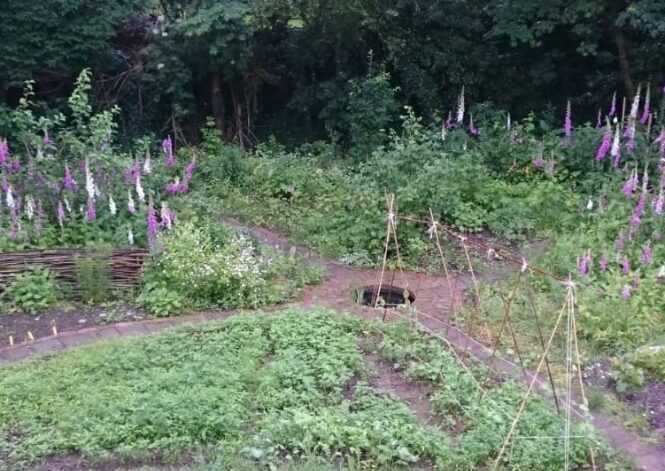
[[266, 388]]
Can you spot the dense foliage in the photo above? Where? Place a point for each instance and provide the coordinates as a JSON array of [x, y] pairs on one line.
[[270, 388], [308, 65]]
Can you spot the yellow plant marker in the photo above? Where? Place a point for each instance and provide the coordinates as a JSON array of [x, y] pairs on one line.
[[11, 341], [55, 331], [30, 336]]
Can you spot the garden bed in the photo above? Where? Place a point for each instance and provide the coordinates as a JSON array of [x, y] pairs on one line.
[[18, 325], [267, 389]]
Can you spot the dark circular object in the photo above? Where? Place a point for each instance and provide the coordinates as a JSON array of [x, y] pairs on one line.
[[388, 296]]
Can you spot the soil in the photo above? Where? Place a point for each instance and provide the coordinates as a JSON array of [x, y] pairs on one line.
[[651, 402], [17, 325], [387, 379]]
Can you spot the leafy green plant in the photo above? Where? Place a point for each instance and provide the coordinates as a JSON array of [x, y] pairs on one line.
[[159, 300], [626, 375], [93, 275], [32, 291]]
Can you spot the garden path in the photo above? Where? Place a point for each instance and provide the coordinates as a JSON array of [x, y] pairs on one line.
[[434, 300]]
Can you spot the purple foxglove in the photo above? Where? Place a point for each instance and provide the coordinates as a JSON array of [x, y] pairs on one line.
[[625, 266], [647, 110], [167, 145], [630, 187], [473, 130], [132, 173], [90, 213], [660, 140], [568, 121], [613, 106], [604, 263], [583, 264], [4, 185], [68, 183], [646, 254], [60, 213], [449, 121], [46, 139], [636, 218], [4, 152], [605, 144], [636, 104], [539, 163], [460, 106], [151, 221], [626, 291], [599, 121]]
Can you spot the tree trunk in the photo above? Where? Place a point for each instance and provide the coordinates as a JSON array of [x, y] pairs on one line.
[[217, 101], [622, 49]]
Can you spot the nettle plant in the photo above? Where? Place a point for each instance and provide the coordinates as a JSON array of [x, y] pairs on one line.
[[64, 183]]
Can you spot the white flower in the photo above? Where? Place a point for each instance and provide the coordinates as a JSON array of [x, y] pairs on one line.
[[139, 190], [67, 206], [89, 182], [10, 198], [147, 166], [29, 207], [112, 207], [636, 103], [165, 214], [130, 237], [616, 143], [460, 106], [589, 204]]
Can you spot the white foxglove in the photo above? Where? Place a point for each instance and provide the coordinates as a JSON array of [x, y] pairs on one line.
[[130, 237], [112, 207], [636, 103], [10, 198], [139, 189], [89, 182], [30, 207], [460, 106]]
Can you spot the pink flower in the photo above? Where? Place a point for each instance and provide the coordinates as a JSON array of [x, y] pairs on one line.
[[167, 145], [599, 122], [583, 265], [646, 254], [539, 163], [4, 152], [473, 130], [568, 121], [605, 144], [152, 221], [658, 203], [613, 106], [647, 109], [625, 266], [660, 140], [630, 187], [68, 183], [46, 139], [90, 213], [636, 218], [604, 263], [626, 291], [449, 122]]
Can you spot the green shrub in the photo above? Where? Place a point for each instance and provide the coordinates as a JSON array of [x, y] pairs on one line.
[[159, 300], [32, 291], [93, 275]]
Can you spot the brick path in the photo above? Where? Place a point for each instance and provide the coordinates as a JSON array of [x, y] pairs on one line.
[[433, 296]]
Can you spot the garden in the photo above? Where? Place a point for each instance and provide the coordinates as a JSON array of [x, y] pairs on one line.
[[298, 236]]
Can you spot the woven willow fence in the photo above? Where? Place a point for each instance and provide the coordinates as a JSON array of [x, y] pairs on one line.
[[124, 265]]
